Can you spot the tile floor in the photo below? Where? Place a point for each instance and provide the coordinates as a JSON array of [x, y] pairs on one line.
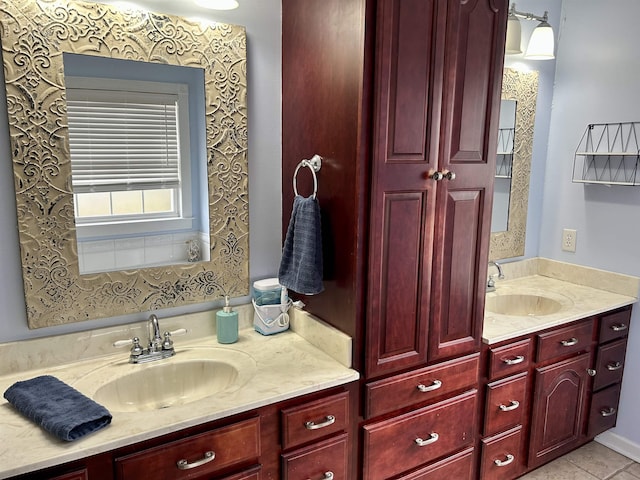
[[590, 462]]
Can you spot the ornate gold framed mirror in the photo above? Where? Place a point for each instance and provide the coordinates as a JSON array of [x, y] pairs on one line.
[[521, 88], [35, 35]]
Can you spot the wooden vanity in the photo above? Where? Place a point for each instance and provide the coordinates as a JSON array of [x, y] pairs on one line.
[[294, 439]]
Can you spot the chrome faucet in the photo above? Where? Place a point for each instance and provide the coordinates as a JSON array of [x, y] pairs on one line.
[[158, 347], [491, 283]]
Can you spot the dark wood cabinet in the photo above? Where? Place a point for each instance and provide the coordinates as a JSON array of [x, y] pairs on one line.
[[437, 77]]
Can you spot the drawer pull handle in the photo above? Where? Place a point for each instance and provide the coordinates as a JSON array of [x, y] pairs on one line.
[[514, 361], [185, 465], [619, 328], [569, 343], [503, 463], [607, 412], [326, 476], [433, 438], [329, 420], [512, 406], [435, 385], [613, 366]]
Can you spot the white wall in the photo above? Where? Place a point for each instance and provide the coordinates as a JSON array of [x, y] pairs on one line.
[[597, 80], [263, 21]]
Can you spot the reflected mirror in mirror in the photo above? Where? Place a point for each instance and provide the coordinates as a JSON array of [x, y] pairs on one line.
[[138, 148], [504, 162]]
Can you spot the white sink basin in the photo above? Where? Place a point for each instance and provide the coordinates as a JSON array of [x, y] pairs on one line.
[[522, 305], [189, 376]]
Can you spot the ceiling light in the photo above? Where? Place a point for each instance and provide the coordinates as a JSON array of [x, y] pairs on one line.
[[218, 4]]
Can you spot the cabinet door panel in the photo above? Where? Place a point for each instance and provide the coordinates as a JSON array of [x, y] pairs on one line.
[[559, 405], [406, 124], [471, 99]]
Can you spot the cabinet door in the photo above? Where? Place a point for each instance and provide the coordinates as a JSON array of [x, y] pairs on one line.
[[475, 35], [406, 125], [559, 408]]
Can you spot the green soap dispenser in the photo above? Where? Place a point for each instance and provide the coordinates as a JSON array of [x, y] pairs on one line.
[[227, 324]]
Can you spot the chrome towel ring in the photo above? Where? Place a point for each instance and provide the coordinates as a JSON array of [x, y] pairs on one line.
[[315, 163]]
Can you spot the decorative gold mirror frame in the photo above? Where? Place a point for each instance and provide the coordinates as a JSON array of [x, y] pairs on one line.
[[523, 88], [34, 34]]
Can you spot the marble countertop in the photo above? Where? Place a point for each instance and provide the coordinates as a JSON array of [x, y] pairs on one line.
[[577, 301], [286, 365]]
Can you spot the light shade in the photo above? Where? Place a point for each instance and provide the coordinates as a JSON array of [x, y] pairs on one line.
[[514, 36], [541, 44], [218, 4]]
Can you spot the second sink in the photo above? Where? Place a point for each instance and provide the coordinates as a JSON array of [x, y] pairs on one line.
[[522, 305]]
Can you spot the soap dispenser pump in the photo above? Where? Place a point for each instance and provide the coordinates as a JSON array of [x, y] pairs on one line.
[[227, 324]]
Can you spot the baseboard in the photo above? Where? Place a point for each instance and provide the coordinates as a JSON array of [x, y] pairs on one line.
[[620, 444]]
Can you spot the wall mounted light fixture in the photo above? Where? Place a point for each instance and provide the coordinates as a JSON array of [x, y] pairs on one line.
[[541, 44]]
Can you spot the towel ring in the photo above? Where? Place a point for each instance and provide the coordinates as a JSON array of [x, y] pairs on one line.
[[314, 165]]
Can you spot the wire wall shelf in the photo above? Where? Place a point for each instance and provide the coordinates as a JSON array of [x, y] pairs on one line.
[[608, 154], [504, 160]]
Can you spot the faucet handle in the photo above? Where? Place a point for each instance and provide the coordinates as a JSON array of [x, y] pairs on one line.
[[167, 343], [178, 332], [123, 343]]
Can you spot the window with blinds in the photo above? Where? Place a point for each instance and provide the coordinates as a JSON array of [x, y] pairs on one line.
[[129, 145]]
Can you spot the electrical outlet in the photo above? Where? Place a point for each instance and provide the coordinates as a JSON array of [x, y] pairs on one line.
[[569, 240]]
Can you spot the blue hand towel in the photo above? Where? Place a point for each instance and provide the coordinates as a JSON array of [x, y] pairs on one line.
[[58, 408], [301, 264]]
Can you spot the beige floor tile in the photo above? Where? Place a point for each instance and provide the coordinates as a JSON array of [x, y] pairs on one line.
[[559, 470], [598, 460], [623, 476], [634, 469]]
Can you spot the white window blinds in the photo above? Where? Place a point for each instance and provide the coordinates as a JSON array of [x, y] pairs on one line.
[[123, 140]]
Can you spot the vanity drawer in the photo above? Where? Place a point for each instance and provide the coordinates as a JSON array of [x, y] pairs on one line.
[[505, 406], [615, 325], [609, 364], [454, 467], [314, 420], [232, 445], [501, 455], [564, 341], [604, 410], [317, 461], [509, 359], [422, 385], [407, 441]]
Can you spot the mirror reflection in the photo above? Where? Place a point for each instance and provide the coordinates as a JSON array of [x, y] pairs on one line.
[[137, 145], [504, 162]]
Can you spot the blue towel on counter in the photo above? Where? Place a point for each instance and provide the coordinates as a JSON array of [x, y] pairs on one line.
[[58, 408], [301, 264]]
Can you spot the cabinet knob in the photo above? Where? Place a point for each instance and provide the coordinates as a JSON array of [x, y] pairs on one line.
[[512, 406], [185, 465], [591, 372], [328, 420], [435, 385], [503, 463], [437, 176], [449, 176], [433, 438]]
